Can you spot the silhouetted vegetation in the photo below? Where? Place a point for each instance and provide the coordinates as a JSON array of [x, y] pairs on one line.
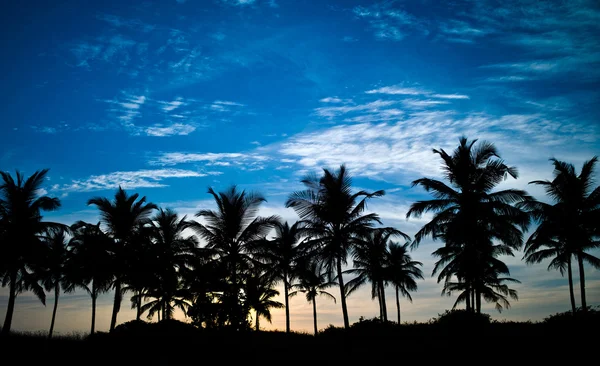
[[222, 276]]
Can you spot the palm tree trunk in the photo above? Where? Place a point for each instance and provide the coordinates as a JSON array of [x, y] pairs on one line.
[[315, 315], [139, 306], [116, 305], [478, 300], [468, 299], [94, 295], [257, 323], [582, 284], [398, 304], [11, 303], [56, 294], [342, 294], [287, 305], [571, 292], [383, 304], [379, 302]]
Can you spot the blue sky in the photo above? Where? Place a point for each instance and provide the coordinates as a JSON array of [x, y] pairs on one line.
[[171, 97]]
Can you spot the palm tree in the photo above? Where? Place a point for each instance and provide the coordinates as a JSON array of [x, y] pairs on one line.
[[493, 289], [122, 216], [280, 255], [402, 272], [369, 256], [333, 219], [89, 261], [549, 242], [21, 226], [166, 300], [312, 282], [54, 274], [232, 231], [469, 217], [259, 293], [578, 204]]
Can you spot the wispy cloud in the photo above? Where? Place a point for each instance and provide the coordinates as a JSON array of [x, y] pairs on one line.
[[171, 106], [238, 2], [397, 90], [245, 161], [388, 23], [461, 32], [416, 103], [450, 96], [178, 129], [129, 180], [119, 22], [375, 106]]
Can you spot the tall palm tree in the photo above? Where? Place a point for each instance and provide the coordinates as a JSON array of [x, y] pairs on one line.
[[548, 241], [469, 217], [370, 256], [280, 255], [333, 218], [89, 262], [402, 272], [312, 282], [122, 216], [259, 293], [578, 204], [232, 230], [54, 274], [21, 227]]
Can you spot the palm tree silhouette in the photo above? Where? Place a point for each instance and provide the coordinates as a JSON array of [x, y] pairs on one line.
[[333, 218], [90, 262], [280, 255], [369, 256], [122, 216], [548, 241], [259, 293], [21, 227], [54, 272], [171, 253], [578, 205], [469, 216], [402, 272], [232, 231], [312, 282]]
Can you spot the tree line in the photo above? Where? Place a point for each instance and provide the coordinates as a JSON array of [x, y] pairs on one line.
[[156, 256]]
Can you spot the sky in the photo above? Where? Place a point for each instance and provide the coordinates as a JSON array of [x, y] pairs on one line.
[[168, 98]]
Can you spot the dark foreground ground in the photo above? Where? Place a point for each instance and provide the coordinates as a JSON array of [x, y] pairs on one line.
[[564, 340]]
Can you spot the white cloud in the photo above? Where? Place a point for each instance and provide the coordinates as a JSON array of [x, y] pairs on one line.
[[507, 78], [229, 103], [370, 107], [238, 2], [417, 103], [331, 100], [450, 96], [397, 90], [171, 106], [130, 179], [248, 161], [174, 129], [42, 192]]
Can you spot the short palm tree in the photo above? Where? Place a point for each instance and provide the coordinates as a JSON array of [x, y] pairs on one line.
[[54, 273], [280, 255], [578, 203], [333, 217], [122, 216], [312, 282], [370, 257], [89, 262], [259, 293], [402, 272], [21, 228], [231, 231], [469, 217]]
